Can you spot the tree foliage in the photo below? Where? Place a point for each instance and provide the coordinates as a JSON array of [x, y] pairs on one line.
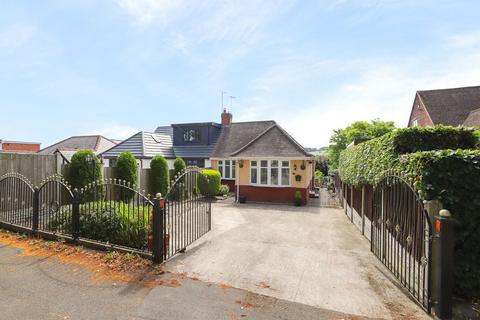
[[83, 167], [179, 166], [159, 175], [127, 168], [357, 131]]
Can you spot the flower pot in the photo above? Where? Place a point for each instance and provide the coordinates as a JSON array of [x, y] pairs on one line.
[[298, 177], [242, 199]]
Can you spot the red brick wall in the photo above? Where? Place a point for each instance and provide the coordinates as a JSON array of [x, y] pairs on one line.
[[20, 147], [420, 113], [272, 194]]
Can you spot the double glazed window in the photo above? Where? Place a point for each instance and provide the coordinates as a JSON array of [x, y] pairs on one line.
[[227, 168], [270, 172]]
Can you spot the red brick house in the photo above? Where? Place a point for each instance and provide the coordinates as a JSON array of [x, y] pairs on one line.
[[455, 107], [19, 146]]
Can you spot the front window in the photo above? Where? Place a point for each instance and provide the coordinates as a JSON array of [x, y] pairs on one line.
[[227, 168], [270, 172], [191, 135], [415, 122]]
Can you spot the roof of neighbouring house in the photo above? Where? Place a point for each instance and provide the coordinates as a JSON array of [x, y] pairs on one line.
[[450, 106], [473, 119], [95, 143], [192, 151], [143, 145], [257, 139]]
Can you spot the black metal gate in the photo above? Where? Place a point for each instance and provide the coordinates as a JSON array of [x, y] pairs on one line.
[[16, 200], [187, 213], [401, 235]]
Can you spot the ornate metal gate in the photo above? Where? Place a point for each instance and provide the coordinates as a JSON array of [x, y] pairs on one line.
[[401, 235], [187, 213], [16, 200]]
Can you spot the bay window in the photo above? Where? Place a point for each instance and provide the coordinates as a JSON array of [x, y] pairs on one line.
[[227, 168], [270, 172]]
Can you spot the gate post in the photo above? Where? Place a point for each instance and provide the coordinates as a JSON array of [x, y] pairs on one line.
[[76, 215], [442, 265], [36, 209], [363, 210], [157, 228]]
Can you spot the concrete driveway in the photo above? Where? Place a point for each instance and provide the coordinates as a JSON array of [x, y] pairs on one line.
[[309, 255]]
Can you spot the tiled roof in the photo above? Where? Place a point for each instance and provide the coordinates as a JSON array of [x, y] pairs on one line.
[[95, 143], [257, 139], [143, 145], [450, 106]]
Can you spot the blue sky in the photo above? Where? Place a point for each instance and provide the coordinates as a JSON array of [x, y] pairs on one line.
[[115, 67]]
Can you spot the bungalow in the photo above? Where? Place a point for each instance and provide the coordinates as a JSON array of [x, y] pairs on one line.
[[455, 107], [262, 162], [67, 147]]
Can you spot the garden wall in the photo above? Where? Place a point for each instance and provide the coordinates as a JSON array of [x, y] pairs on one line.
[[35, 167]]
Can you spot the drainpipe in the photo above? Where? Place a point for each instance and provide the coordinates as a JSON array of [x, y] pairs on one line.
[[237, 181]]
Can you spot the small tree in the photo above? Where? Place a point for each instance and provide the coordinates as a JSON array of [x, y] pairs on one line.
[[127, 168], [179, 166], [159, 175], [209, 182], [83, 169]]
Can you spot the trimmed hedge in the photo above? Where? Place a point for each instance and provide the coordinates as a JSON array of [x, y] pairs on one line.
[[363, 163], [453, 178], [179, 166], [80, 172], [209, 182], [127, 168], [159, 175]]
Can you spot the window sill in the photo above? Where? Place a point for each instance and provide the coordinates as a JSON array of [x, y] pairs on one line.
[[228, 179], [269, 185]]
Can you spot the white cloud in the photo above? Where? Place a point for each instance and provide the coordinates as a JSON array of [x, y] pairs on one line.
[[114, 131], [148, 11]]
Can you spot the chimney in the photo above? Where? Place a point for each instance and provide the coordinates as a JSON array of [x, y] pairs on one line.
[[226, 117]]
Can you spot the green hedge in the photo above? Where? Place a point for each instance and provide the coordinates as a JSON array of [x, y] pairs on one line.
[[179, 166], [159, 175], [209, 182], [453, 178], [363, 163], [127, 168], [81, 170]]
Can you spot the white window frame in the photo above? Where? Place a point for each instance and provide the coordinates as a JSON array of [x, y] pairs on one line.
[[269, 173], [415, 122], [221, 164]]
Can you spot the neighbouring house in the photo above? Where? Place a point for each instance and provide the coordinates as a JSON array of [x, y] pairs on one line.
[[19, 146], [67, 148], [261, 162], [455, 107], [143, 146]]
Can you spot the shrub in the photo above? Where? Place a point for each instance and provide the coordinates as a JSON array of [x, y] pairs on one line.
[[363, 163], [223, 190], [298, 198], [127, 168], [452, 177], [318, 177], [159, 175], [179, 166], [209, 182], [81, 170]]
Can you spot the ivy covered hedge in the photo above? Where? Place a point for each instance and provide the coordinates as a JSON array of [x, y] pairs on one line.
[[363, 163], [453, 178]]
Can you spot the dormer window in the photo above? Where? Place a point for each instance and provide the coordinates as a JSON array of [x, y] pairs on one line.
[[191, 135]]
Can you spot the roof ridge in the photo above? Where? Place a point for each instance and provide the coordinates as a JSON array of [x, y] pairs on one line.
[[448, 89]]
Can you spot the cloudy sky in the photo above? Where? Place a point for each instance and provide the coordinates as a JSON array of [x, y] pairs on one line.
[[115, 67]]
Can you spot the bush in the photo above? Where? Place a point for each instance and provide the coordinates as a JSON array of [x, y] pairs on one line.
[[209, 182], [298, 198], [81, 170], [452, 177], [159, 175], [363, 163], [127, 168], [223, 190], [179, 166], [318, 177]]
